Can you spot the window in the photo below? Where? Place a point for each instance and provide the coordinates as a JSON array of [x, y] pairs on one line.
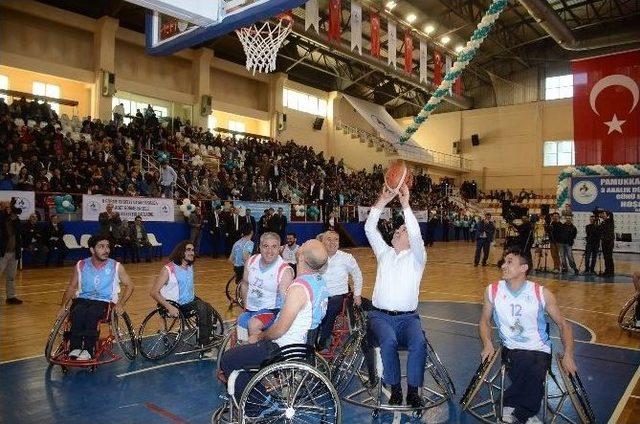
[[560, 87], [4, 84], [304, 102], [559, 153], [47, 90], [212, 122], [237, 126]]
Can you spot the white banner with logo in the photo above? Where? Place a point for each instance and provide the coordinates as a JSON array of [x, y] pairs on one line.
[[422, 216], [424, 57], [311, 17], [150, 209], [356, 27], [392, 44], [25, 200]]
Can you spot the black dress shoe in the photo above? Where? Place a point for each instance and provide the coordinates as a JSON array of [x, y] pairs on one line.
[[396, 395], [413, 398], [13, 301]]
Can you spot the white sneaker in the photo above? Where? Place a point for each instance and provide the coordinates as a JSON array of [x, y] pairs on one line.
[[210, 354], [75, 353], [534, 420], [84, 356], [507, 414]]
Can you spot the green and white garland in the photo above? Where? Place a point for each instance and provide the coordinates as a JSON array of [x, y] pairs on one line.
[[466, 55], [591, 170]]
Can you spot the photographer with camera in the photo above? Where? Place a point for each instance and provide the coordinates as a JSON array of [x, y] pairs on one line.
[[593, 245], [525, 236], [10, 243], [608, 238]]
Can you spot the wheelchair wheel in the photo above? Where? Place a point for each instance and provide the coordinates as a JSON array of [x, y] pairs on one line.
[[57, 343], [229, 341], [124, 334], [290, 392], [230, 290], [160, 334], [478, 379], [322, 365], [577, 395], [439, 372], [239, 299], [347, 362], [626, 317]]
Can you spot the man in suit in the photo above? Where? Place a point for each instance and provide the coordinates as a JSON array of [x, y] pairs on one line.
[[216, 229], [139, 240], [232, 229], [282, 224], [608, 239], [248, 220], [109, 220], [53, 235], [263, 223], [486, 230], [195, 224]]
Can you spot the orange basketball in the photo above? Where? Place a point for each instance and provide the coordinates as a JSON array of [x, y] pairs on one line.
[[397, 174]]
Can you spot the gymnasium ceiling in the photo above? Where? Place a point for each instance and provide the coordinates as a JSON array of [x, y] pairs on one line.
[[515, 44]]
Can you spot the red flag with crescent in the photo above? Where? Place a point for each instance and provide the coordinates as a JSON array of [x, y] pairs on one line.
[[375, 34], [606, 109], [408, 52], [437, 67], [335, 16]]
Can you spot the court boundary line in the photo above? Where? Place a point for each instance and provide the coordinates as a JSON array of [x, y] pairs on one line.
[[155, 367], [622, 403]]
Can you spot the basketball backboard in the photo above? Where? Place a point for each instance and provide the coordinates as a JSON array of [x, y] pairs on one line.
[[173, 25]]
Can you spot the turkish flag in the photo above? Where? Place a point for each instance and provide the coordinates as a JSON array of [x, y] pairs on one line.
[[606, 109], [437, 68], [375, 34], [335, 17], [408, 52]]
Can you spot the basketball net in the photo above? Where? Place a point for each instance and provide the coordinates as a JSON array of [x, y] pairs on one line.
[[262, 40]]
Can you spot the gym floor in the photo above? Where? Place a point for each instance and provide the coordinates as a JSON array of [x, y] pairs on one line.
[[180, 390]]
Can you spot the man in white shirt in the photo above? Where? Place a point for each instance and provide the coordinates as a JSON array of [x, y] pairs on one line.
[[339, 267], [394, 321]]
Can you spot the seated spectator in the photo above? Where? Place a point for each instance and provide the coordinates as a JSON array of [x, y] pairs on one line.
[[122, 237], [33, 239], [139, 240], [55, 245]]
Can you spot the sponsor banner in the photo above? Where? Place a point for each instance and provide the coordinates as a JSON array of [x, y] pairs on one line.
[[257, 208], [616, 194], [25, 200], [150, 209], [422, 216]]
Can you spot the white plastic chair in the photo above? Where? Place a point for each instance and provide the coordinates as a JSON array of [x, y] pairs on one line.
[[155, 244], [84, 240]]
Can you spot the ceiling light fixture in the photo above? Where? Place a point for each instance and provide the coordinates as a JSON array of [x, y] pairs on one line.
[[429, 29], [459, 48], [445, 40], [390, 5], [411, 18]]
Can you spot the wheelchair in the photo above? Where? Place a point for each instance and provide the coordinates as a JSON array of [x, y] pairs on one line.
[[483, 398], [286, 388], [233, 293], [350, 318], [626, 317], [349, 364], [160, 334], [119, 329]]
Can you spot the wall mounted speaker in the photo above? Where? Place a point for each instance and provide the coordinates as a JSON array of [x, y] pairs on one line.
[[475, 140], [317, 124]]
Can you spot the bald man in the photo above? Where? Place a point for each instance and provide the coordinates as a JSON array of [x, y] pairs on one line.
[[305, 305]]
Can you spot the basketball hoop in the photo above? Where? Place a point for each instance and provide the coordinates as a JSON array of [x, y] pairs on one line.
[[262, 40]]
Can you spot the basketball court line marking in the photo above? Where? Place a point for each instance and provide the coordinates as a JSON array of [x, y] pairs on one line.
[[164, 413], [625, 397], [155, 367]]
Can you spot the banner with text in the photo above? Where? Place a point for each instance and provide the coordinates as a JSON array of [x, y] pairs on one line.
[[150, 209], [615, 194], [25, 200]]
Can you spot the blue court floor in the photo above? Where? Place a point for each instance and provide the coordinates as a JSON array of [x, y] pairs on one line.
[[187, 391]]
